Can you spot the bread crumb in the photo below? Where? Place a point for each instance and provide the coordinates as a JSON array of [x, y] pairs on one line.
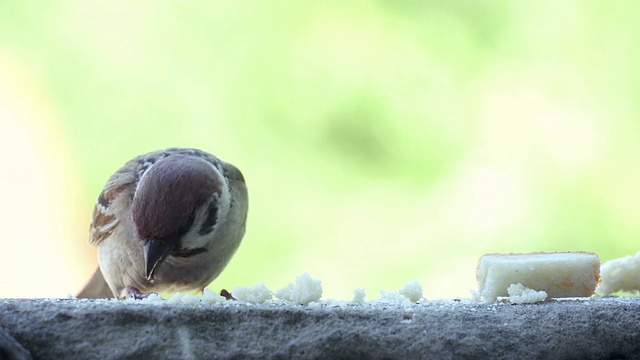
[[359, 295], [256, 294], [412, 291], [393, 297], [153, 298], [409, 293], [519, 294], [191, 299], [175, 298], [621, 274], [305, 290], [211, 297]]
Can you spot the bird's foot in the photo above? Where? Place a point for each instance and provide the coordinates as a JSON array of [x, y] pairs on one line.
[[133, 293]]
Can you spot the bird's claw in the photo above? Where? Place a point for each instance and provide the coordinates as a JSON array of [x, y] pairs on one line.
[[133, 293]]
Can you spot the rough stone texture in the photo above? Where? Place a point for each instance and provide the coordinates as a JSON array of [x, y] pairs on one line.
[[599, 328], [10, 349]]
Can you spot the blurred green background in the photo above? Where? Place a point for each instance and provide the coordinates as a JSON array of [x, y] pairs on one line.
[[382, 141]]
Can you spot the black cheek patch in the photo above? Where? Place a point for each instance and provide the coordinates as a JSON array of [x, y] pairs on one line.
[[103, 201], [211, 220], [188, 252]]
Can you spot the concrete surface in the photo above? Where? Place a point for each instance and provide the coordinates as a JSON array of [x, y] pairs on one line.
[[599, 328]]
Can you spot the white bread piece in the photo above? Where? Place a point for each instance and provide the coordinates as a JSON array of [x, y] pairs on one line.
[[559, 274], [621, 274]]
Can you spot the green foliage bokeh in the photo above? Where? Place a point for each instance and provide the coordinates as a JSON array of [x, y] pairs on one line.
[[381, 141]]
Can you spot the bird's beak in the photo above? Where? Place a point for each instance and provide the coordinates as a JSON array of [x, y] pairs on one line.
[[154, 252]]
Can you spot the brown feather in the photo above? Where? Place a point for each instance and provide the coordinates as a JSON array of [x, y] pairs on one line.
[[120, 184], [161, 207]]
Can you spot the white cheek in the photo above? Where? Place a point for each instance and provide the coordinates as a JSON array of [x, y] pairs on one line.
[[193, 239], [224, 202]]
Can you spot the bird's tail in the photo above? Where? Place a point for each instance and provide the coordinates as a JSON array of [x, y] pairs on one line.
[[96, 288]]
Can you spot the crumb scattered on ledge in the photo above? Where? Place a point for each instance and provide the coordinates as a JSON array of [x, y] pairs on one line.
[[304, 291], [622, 274], [412, 291], [520, 294], [359, 295], [256, 294], [210, 297], [409, 293]]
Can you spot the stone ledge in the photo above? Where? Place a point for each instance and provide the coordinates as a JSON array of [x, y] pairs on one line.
[[598, 328]]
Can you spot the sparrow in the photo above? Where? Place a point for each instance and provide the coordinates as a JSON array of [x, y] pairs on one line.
[[167, 221]]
